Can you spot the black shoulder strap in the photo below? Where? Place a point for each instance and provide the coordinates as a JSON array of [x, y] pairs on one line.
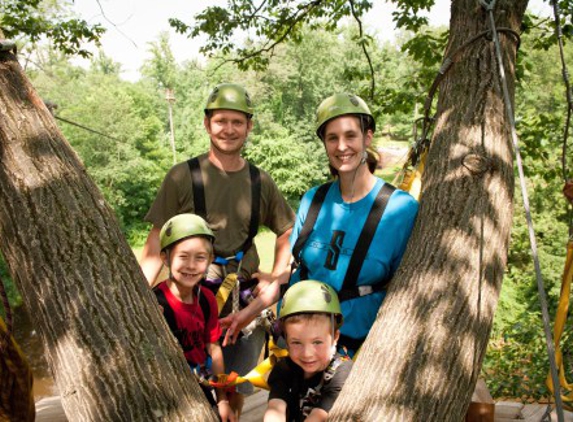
[[255, 206], [198, 188], [199, 197], [169, 314], [366, 236], [167, 310], [310, 220], [204, 304]]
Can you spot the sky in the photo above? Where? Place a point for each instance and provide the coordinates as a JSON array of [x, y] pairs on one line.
[[133, 24]]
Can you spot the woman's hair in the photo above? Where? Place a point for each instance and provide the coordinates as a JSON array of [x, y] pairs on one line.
[[372, 157]]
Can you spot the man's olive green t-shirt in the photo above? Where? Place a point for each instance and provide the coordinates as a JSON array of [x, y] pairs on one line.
[[228, 203]]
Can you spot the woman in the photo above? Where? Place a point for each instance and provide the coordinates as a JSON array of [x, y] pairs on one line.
[[354, 237]]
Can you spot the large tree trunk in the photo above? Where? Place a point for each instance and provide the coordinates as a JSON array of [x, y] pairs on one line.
[[423, 356], [109, 349]]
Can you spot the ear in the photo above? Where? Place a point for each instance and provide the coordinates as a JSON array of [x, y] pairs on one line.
[[368, 137], [207, 124], [336, 336], [163, 257], [249, 125]]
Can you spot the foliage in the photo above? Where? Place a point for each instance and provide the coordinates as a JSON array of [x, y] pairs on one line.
[[34, 19]]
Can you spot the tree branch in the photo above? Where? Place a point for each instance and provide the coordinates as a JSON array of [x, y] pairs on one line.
[[363, 45]]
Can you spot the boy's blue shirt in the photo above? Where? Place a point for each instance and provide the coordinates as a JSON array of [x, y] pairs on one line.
[[330, 245]]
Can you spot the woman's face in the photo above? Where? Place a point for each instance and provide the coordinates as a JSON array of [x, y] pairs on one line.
[[345, 143]]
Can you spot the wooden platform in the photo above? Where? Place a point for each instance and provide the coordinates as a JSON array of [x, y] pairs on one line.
[[50, 409]]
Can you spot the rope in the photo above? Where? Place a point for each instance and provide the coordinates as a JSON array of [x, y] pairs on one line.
[[542, 296], [4, 341]]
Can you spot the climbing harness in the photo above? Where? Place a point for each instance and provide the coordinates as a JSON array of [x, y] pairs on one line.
[[312, 395], [349, 290], [231, 285]]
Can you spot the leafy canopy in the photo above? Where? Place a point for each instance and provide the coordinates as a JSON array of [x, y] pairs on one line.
[[35, 19]]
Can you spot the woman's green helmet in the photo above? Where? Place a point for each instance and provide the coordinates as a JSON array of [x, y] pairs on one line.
[[229, 97], [310, 296], [338, 105], [183, 226]]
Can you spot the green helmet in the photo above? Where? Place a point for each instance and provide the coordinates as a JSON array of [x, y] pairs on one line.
[[339, 105], [310, 296], [229, 97], [183, 226]]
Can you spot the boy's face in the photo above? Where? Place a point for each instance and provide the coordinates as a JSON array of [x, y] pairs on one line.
[[190, 259], [310, 344], [228, 130]]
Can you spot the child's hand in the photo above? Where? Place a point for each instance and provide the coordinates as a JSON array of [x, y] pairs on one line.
[[225, 411]]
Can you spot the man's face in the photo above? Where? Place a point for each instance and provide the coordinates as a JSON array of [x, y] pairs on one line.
[[228, 130]]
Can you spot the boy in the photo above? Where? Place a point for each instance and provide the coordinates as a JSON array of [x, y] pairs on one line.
[[190, 310], [305, 384]]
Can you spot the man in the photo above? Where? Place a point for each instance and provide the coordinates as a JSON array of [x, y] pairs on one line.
[[220, 185]]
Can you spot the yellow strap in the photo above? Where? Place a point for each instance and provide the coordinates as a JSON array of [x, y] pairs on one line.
[[259, 375], [559, 327], [225, 290]]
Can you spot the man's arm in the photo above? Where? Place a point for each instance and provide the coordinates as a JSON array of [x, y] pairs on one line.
[[266, 296], [281, 265], [150, 261]]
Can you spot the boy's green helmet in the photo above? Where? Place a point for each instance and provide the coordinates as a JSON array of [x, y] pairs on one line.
[[310, 296], [183, 226], [338, 105], [229, 97]]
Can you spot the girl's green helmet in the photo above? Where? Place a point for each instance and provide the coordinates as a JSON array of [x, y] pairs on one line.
[[310, 296], [183, 226], [229, 97], [338, 105]]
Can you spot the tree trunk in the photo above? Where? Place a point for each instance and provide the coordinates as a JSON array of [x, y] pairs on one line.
[[108, 346], [423, 356]]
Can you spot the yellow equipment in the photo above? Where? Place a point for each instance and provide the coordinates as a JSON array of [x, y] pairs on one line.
[[560, 319]]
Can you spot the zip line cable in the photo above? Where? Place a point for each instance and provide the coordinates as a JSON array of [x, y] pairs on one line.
[[542, 296], [86, 128]]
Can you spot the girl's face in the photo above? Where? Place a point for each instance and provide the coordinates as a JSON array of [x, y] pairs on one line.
[[189, 260], [345, 143], [310, 344]]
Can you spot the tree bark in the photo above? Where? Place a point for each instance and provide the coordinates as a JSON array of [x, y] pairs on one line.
[[109, 348], [423, 355]]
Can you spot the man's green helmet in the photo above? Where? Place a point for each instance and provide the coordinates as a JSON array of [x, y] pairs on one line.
[[338, 105], [310, 296], [229, 97], [183, 226]]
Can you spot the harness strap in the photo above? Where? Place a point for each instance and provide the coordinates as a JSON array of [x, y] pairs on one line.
[[199, 200], [169, 313], [349, 290], [198, 188], [310, 221]]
